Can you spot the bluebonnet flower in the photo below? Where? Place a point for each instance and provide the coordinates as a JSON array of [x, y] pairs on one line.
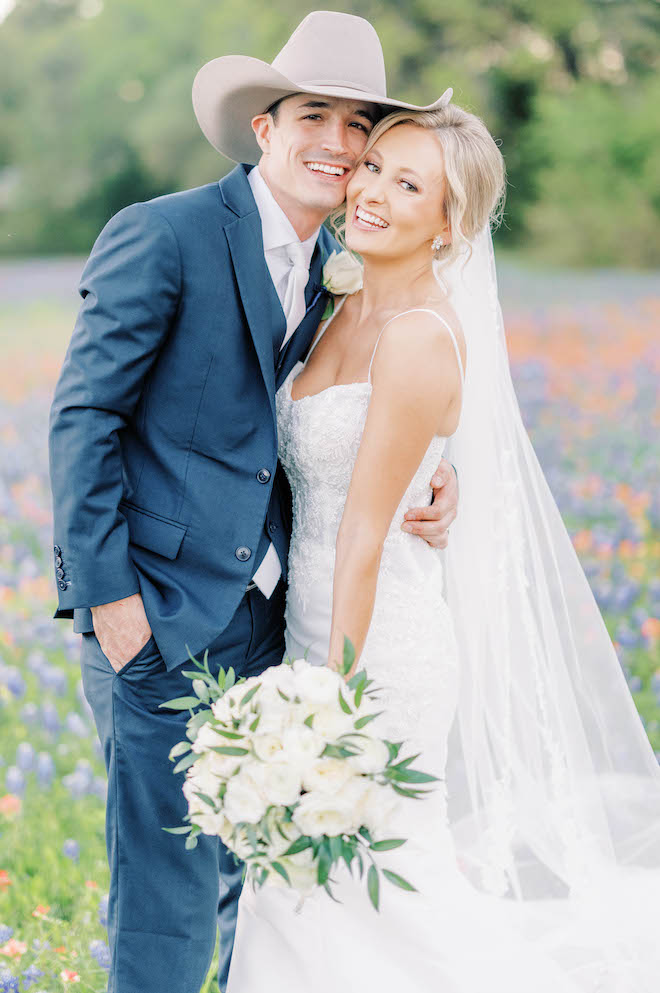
[[5, 933], [29, 713], [76, 725], [103, 910], [50, 718], [25, 756], [14, 681], [45, 768], [100, 787], [635, 684], [8, 982], [100, 951], [55, 679], [31, 975], [14, 780], [71, 848], [39, 945]]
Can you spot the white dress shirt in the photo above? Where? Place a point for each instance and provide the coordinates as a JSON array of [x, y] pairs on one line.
[[278, 232]]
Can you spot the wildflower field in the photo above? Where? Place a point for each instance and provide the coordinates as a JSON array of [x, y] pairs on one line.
[[587, 377]]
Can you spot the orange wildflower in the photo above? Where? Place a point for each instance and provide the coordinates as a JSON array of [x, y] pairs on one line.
[[14, 948], [69, 976], [5, 881], [40, 910], [91, 885], [651, 628], [10, 805]]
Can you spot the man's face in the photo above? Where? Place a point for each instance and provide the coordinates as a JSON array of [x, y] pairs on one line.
[[310, 150]]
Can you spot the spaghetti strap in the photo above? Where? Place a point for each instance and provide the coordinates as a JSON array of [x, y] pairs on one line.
[[326, 326], [425, 310]]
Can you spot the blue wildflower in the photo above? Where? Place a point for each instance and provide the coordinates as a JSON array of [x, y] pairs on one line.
[[31, 975], [100, 951], [71, 849], [6, 932], [103, 910], [45, 768], [14, 780]]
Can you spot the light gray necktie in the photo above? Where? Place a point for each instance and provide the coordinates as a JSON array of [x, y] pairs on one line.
[[294, 296]]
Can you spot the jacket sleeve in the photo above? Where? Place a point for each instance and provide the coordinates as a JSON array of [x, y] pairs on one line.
[[130, 288]]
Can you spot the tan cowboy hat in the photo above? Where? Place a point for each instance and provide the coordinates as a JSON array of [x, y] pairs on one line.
[[334, 54]]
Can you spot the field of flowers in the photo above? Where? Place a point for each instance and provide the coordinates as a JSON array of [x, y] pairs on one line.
[[587, 380]]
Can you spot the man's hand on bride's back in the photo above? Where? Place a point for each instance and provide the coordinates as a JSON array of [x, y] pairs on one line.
[[122, 629], [432, 523]]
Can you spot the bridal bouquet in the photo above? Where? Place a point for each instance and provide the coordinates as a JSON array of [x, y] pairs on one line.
[[283, 767]]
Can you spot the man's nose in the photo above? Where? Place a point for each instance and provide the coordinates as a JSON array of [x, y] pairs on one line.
[[334, 139]]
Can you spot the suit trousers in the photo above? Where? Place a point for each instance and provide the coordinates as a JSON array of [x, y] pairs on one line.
[[166, 903]]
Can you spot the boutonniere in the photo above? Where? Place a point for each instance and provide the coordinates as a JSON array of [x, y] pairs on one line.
[[341, 274]]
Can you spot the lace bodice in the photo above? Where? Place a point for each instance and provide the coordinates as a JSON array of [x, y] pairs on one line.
[[319, 440]]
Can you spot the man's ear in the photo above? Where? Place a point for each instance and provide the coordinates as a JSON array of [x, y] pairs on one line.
[[262, 125]]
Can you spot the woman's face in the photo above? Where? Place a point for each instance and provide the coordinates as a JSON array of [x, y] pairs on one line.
[[394, 200]]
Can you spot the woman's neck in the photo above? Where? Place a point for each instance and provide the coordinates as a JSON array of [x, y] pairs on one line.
[[394, 284]]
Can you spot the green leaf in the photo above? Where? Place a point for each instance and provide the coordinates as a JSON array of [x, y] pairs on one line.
[[251, 835], [404, 763], [336, 848], [283, 695], [278, 867], [323, 865], [362, 721], [387, 845], [181, 703], [180, 749], [248, 696], [207, 799], [409, 776], [185, 763], [364, 831], [415, 794], [230, 678], [338, 752], [191, 841], [299, 845], [326, 887], [229, 750], [179, 830], [308, 720], [373, 885], [342, 703], [398, 880], [255, 723], [361, 684], [229, 734], [349, 656]]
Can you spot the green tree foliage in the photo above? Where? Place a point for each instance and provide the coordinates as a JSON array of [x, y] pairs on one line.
[[95, 109]]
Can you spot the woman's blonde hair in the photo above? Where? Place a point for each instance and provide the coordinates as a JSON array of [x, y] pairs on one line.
[[474, 167]]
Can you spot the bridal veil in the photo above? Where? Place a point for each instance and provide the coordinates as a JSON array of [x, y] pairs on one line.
[[554, 789]]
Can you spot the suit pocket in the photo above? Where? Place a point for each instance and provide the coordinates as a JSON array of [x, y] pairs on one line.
[[148, 653], [148, 530]]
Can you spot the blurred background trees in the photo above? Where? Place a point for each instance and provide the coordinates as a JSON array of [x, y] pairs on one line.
[[95, 109]]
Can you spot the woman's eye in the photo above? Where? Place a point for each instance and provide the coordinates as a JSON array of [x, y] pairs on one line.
[[409, 186], [370, 164]]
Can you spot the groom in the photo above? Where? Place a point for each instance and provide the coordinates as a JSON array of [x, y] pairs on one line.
[[172, 513]]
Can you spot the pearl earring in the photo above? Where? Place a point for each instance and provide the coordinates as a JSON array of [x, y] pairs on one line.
[[437, 243]]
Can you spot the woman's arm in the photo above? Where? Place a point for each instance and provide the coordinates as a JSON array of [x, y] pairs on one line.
[[415, 378]]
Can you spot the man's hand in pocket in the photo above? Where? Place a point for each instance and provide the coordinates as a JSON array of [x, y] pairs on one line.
[[122, 629]]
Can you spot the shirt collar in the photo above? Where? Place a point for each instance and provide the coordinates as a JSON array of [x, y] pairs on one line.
[[277, 229]]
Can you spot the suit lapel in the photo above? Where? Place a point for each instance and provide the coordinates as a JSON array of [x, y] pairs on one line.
[[261, 303]]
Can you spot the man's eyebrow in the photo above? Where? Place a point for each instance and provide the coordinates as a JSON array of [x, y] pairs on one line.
[[324, 105]]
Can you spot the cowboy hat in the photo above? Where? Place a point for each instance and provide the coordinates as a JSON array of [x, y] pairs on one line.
[[329, 53]]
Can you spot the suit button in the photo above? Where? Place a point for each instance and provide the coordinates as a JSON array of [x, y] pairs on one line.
[[57, 549], [263, 475], [242, 553], [62, 585], [272, 528], [58, 561], [59, 573]]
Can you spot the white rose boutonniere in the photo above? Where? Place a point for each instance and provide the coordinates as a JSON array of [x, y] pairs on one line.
[[341, 274]]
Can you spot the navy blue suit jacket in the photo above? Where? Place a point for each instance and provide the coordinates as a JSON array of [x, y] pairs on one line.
[[163, 438]]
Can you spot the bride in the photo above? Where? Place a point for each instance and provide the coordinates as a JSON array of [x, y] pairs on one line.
[[536, 861]]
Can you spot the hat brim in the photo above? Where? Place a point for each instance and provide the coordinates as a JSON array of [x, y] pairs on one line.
[[229, 91]]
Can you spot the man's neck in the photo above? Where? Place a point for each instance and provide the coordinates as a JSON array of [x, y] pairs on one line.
[[304, 220]]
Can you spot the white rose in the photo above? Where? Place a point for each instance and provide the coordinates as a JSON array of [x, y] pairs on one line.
[[203, 777], [268, 747], [243, 800], [207, 737], [317, 683], [279, 782], [331, 722], [377, 808], [323, 813], [222, 710], [279, 677], [276, 713], [301, 869], [209, 822], [342, 273], [301, 745], [327, 775], [373, 757]]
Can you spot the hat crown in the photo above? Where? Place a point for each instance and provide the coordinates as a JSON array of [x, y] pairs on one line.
[[329, 48]]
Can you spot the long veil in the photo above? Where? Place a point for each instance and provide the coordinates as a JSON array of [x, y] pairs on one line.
[[554, 789]]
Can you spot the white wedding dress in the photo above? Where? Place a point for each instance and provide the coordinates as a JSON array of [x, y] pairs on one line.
[[448, 937]]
